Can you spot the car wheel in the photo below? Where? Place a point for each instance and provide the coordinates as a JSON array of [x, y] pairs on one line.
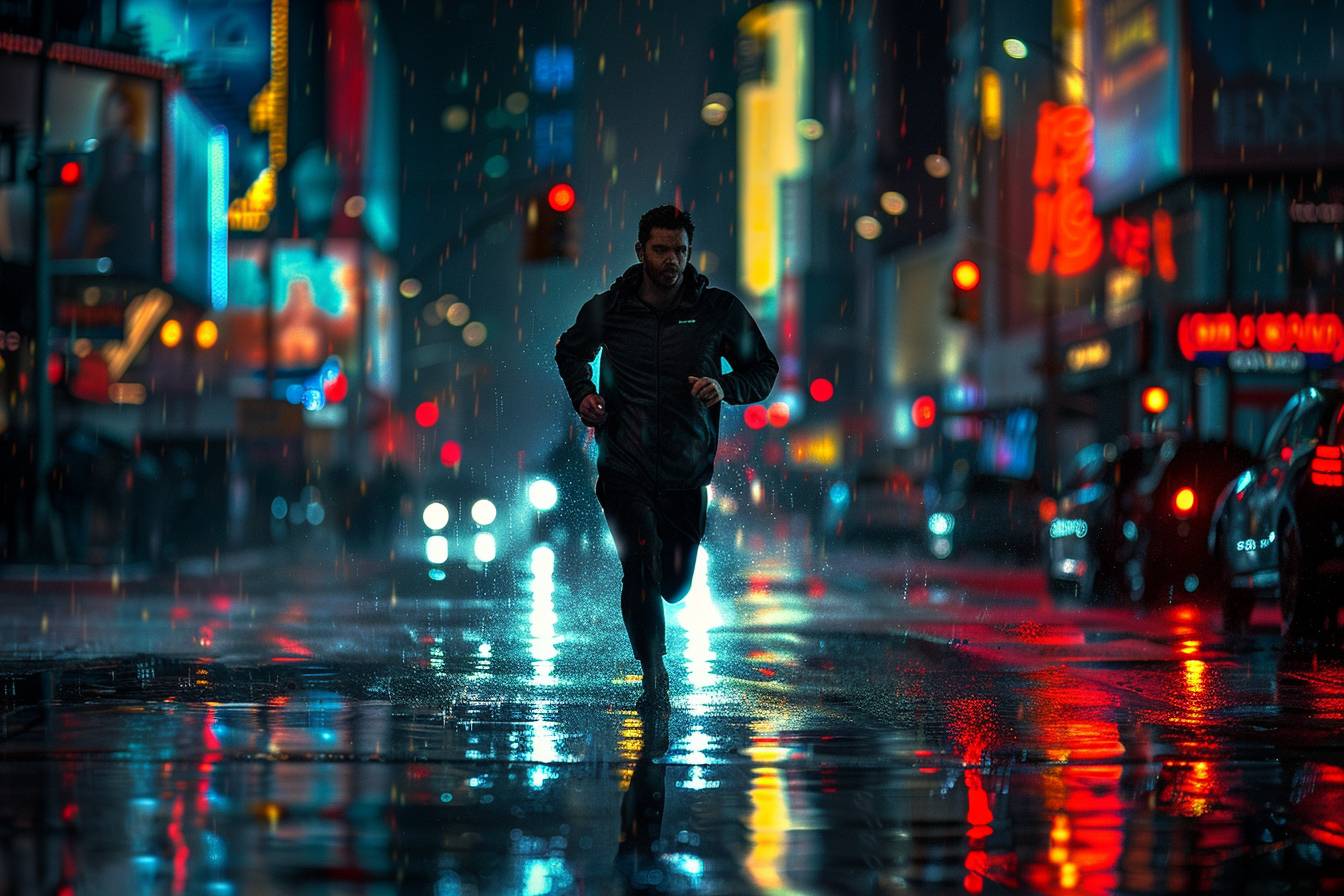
[[1238, 603], [1299, 600]]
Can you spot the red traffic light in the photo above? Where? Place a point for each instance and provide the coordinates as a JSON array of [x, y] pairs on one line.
[[450, 453], [1155, 399], [923, 411], [821, 390], [426, 414], [1184, 501], [71, 173], [561, 197], [966, 275]]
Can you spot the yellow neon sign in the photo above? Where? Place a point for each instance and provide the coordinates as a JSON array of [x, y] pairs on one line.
[[269, 112]]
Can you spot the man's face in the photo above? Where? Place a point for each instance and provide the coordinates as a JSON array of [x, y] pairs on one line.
[[664, 255]]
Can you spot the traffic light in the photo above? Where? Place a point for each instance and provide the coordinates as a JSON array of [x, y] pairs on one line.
[[924, 411], [1155, 399], [966, 291], [550, 228], [64, 170]]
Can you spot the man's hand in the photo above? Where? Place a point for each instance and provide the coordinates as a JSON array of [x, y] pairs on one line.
[[707, 390], [593, 410]]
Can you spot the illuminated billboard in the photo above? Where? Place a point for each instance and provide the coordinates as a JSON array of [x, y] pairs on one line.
[[383, 328], [198, 224], [229, 62], [1134, 59], [103, 169], [314, 299], [1266, 86]]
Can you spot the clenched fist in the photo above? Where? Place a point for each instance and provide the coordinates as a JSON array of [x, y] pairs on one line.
[[706, 389], [593, 410]]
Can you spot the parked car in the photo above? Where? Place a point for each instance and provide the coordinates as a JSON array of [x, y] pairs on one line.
[[883, 503], [986, 512], [1278, 527], [1134, 515]]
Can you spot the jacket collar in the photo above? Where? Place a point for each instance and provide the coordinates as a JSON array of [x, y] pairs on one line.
[[693, 285]]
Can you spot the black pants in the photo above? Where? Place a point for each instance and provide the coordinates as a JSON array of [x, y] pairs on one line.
[[657, 535]]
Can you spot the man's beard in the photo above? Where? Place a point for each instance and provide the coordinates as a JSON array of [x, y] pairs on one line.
[[661, 276]]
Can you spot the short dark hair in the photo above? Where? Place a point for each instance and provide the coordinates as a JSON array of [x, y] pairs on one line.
[[668, 216]]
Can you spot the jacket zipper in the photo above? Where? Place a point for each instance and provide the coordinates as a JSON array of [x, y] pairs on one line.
[[657, 400]]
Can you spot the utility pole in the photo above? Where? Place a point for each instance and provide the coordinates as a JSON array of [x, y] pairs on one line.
[[46, 425]]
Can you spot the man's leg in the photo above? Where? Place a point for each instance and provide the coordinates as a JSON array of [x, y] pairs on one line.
[[630, 517], [681, 527]]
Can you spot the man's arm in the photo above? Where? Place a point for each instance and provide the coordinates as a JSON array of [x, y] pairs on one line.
[[577, 347], [754, 365]]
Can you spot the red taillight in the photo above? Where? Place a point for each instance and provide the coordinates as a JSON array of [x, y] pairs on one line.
[[1047, 510], [1327, 466], [1183, 502]]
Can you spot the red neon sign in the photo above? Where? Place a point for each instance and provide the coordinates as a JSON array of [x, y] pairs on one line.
[[1138, 245], [1065, 226], [1221, 332]]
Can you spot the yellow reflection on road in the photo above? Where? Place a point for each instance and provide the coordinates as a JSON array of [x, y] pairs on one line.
[[768, 829]]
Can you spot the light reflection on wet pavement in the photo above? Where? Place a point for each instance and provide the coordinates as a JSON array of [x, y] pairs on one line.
[[859, 725]]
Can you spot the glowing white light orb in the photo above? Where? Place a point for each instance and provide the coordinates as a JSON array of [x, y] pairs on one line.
[[483, 512], [484, 547], [543, 494], [435, 516], [436, 549], [543, 561]]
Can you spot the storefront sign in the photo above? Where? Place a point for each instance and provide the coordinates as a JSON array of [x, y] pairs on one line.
[[1111, 355], [1256, 361], [1087, 356], [1202, 333], [1134, 59], [1065, 229], [1316, 212]]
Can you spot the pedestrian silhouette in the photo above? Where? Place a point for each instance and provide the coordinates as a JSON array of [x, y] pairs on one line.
[[664, 333]]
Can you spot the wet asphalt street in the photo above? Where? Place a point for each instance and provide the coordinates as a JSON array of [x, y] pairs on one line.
[[857, 721]]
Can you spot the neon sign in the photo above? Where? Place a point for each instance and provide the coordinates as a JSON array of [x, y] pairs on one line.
[[1087, 356], [1225, 332], [1064, 225], [1139, 245]]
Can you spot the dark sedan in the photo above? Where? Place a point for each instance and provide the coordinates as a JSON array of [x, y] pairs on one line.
[[985, 512], [1133, 519], [1279, 525]]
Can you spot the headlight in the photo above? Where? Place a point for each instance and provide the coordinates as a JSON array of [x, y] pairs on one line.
[[483, 512], [543, 494]]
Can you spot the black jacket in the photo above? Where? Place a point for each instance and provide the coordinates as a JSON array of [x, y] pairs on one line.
[[657, 435]]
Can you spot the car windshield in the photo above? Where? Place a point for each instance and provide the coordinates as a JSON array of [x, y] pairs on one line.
[[1141, 461]]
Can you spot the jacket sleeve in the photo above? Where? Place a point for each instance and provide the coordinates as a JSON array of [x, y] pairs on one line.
[[577, 347], [754, 365]]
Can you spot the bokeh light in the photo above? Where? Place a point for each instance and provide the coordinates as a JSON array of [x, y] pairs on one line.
[[458, 313], [543, 494], [484, 547], [483, 512], [450, 453], [207, 334], [435, 516], [473, 334], [893, 203], [868, 227], [426, 414], [170, 334]]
